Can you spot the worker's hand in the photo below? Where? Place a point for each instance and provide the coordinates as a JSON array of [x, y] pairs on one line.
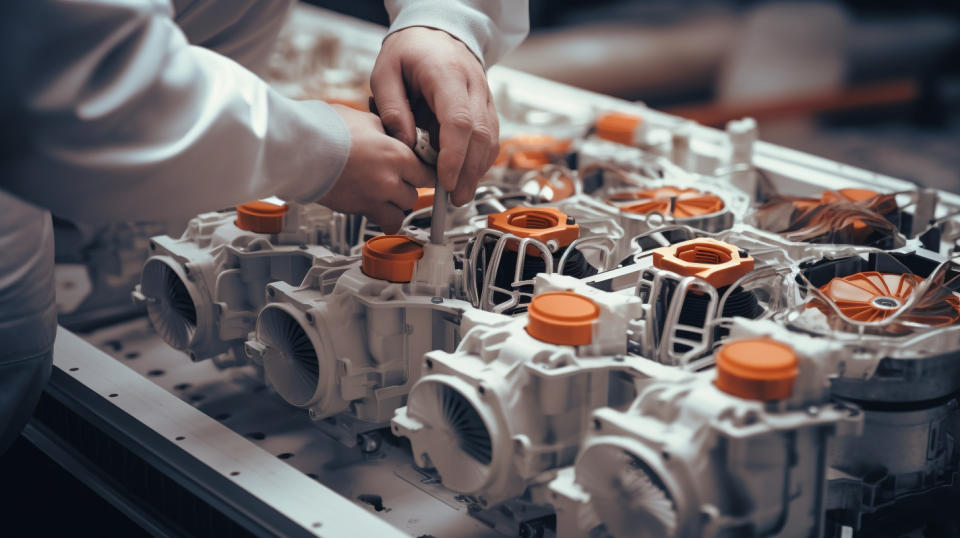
[[381, 174], [424, 63]]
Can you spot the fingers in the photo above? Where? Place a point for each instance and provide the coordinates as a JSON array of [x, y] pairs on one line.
[[387, 216], [483, 137], [414, 171], [390, 97], [448, 98]]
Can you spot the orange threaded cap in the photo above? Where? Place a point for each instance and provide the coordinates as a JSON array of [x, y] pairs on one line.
[[390, 257], [756, 369], [540, 223], [719, 263], [261, 217], [424, 198], [562, 317], [618, 127]]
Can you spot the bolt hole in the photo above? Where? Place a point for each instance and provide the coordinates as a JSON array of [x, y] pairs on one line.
[[182, 386], [481, 389], [429, 364], [222, 416], [114, 395], [259, 436], [155, 373], [132, 355], [74, 369], [285, 456], [180, 438], [234, 473], [313, 476], [597, 424], [317, 525], [197, 398]]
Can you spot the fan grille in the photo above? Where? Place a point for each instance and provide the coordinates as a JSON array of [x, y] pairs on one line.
[[296, 371], [469, 429], [172, 310]]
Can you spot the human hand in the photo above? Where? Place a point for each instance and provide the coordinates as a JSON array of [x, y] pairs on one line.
[[419, 62], [381, 174]]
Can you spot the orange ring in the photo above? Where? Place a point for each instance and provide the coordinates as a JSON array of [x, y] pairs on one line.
[[562, 317], [719, 263], [390, 257], [618, 127], [685, 203], [424, 198], [756, 369], [541, 223], [261, 217]]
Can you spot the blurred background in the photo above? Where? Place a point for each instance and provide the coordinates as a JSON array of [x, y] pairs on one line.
[[874, 84]]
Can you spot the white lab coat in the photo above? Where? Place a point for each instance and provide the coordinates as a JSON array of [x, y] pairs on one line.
[[150, 110]]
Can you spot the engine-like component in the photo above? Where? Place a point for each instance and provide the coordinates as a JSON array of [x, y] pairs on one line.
[[514, 398], [203, 290], [519, 244], [690, 286], [721, 453], [347, 344]]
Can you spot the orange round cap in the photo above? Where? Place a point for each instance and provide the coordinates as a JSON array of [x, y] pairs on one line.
[[618, 127], [530, 152], [390, 257], [540, 223], [719, 263], [261, 217], [756, 369], [562, 317], [424, 198], [669, 201]]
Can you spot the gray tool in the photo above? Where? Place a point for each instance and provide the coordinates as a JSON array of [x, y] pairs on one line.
[[427, 154]]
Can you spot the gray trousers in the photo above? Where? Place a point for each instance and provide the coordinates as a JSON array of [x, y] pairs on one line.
[[21, 382]]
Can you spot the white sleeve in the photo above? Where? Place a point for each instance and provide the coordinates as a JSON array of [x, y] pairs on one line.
[[123, 119], [489, 28], [243, 30]]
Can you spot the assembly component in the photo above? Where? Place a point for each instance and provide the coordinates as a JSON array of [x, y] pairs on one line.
[[615, 312], [681, 153], [531, 151], [622, 128], [550, 185], [261, 216], [562, 318], [545, 224], [885, 462], [721, 264], [175, 303], [424, 198], [299, 355], [435, 273], [391, 257], [669, 201], [756, 369], [424, 149], [687, 458], [742, 135]]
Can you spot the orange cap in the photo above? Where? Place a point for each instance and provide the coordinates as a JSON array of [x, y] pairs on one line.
[[562, 317], [261, 217], [559, 188], [756, 369], [719, 263], [540, 223], [850, 195], [669, 201], [424, 198], [618, 127], [390, 257], [530, 152]]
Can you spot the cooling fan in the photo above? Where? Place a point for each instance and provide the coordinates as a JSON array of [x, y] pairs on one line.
[[293, 363], [170, 306], [884, 294], [669, 201], [626, 494]]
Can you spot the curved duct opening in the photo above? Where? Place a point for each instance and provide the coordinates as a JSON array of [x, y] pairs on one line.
[[171, 307], [293, 367], [626, 495], [459, 436]]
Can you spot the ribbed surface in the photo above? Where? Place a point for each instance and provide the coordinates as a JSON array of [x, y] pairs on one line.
[[172, 311], [299, 366], [472, 435]]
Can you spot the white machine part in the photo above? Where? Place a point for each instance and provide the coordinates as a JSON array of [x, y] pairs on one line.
[[507, 406], [347, 346], [203, 290], [689, 459]]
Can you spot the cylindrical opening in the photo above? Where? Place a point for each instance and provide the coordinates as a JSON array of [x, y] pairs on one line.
[[291, 365], [705, 254], [171, 307], [533, 220]]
